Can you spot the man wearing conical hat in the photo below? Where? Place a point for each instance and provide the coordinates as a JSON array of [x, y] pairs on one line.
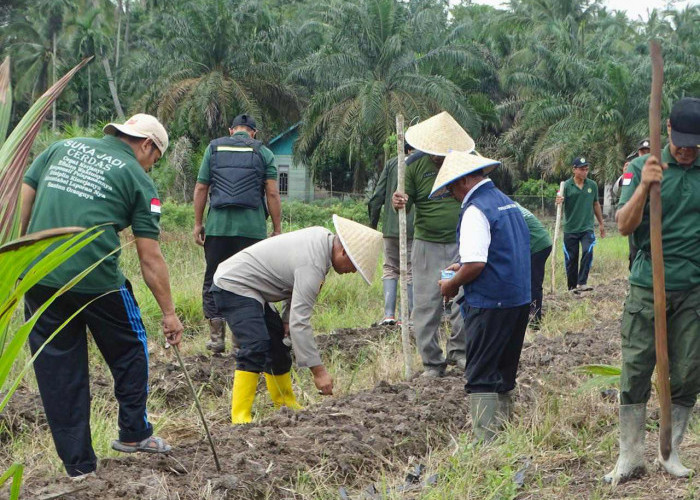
[[434, 239], [494, 275], [291, 268]]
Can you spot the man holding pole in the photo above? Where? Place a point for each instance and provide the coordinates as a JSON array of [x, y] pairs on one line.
[[679, 175], [434, 243], [386, 186], [580, 199]]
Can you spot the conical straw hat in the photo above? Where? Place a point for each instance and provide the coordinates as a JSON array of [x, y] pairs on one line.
[[458, 164], [438, 135], [362, 244]]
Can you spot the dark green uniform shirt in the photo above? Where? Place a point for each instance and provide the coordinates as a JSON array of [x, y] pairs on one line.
[[578, 206], [86, 182], [386, 186], [680, 199], [237, 221], [539, 236], [434, 220]]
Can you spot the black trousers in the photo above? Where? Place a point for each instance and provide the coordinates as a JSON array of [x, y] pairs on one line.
[[62, 370], [576, 275], [537, 265], [259, 332], [216, 250], [494, 342]]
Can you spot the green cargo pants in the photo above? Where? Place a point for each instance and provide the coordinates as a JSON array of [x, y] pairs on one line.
[[639, 352]]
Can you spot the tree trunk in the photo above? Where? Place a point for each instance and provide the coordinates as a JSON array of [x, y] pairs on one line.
[[112, 87], [53, 80], [126, 28], [608, 208], [119, 34], [89, 97]]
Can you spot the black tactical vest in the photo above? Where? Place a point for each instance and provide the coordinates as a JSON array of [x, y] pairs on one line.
[[236, 172]]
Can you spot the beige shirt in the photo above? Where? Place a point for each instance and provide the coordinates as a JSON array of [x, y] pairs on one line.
[[290, 267]]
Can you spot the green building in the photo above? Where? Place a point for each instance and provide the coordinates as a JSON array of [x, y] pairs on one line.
[[294, 179]]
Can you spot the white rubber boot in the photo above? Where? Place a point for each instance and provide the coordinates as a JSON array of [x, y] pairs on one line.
[[680, 417], [630, 464]]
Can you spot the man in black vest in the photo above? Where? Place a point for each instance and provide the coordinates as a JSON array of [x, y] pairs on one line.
[[239, 176]]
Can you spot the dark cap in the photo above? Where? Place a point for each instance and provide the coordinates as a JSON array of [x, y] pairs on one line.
[[579, 162], [685, 123], [244, 120], [644, 144]]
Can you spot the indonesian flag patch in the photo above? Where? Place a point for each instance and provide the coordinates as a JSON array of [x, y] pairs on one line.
[[627, 178], [155, 206]]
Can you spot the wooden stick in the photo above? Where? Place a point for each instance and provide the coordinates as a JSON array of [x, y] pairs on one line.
[[199, 407], [663, 382], [403, 250], [556, 236]]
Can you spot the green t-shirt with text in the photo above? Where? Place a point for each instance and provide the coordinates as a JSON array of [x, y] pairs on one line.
[[237, 221], [578, 206], [680, 226], [434, 220], [88, 182], [539, 236]]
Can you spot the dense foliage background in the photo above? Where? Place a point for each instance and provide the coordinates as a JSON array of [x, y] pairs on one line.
[[535, 84]]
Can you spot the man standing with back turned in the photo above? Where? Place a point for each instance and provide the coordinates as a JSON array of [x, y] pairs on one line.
[[88, 182], [580, 198], [239, 175]]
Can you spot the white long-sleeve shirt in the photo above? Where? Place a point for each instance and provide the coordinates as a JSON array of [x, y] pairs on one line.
[[290, 267]]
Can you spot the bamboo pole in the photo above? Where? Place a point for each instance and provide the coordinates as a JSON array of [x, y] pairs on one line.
[[663, 382], [403, 250], [556, 236], [199, 407]]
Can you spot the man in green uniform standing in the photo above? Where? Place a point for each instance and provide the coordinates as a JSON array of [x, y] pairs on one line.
[[435, 239], [580, 198], [540, 248], [679, 175], [88, 182], [239, 176], [386, 186]]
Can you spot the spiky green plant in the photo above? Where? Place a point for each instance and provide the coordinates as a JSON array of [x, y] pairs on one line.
[[25, 261]]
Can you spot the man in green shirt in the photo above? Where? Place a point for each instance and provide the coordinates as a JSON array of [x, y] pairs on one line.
[[386, 186], [239, 176], [89, 182], [435, 239], [580, 198], [540, 248], [679, 175]]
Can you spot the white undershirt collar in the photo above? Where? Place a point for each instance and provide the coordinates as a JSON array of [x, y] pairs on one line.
[[471, 191]]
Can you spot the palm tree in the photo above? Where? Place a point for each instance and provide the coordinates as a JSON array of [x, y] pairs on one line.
[[216, 67], [369, 71]]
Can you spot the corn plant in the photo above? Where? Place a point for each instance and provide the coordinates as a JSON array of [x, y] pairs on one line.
[[25, 261], [603, 376]]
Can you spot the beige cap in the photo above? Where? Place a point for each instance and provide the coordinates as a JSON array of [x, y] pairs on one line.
[[362, 244], [438, 135], [142, 125], [458, 164]]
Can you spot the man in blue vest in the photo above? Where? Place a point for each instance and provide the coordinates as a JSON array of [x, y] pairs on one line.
[[239, 176], [494, 272]]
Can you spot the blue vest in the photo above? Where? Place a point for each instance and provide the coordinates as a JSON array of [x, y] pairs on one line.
[[505, 281], [236, 172]]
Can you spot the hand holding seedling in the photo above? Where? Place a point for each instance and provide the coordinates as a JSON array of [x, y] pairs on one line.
[[323, 380]]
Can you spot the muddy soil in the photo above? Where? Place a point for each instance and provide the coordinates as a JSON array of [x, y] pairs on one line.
[[351, 440]]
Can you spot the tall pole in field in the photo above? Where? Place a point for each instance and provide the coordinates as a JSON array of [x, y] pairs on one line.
[[403, 251], [663, 382], [556, 235]]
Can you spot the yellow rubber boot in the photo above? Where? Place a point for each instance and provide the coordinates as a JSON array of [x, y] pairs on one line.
[[245, 384], [281, 392]]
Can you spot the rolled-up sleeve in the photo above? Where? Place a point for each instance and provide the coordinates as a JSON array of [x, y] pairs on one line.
[[307, 284]]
